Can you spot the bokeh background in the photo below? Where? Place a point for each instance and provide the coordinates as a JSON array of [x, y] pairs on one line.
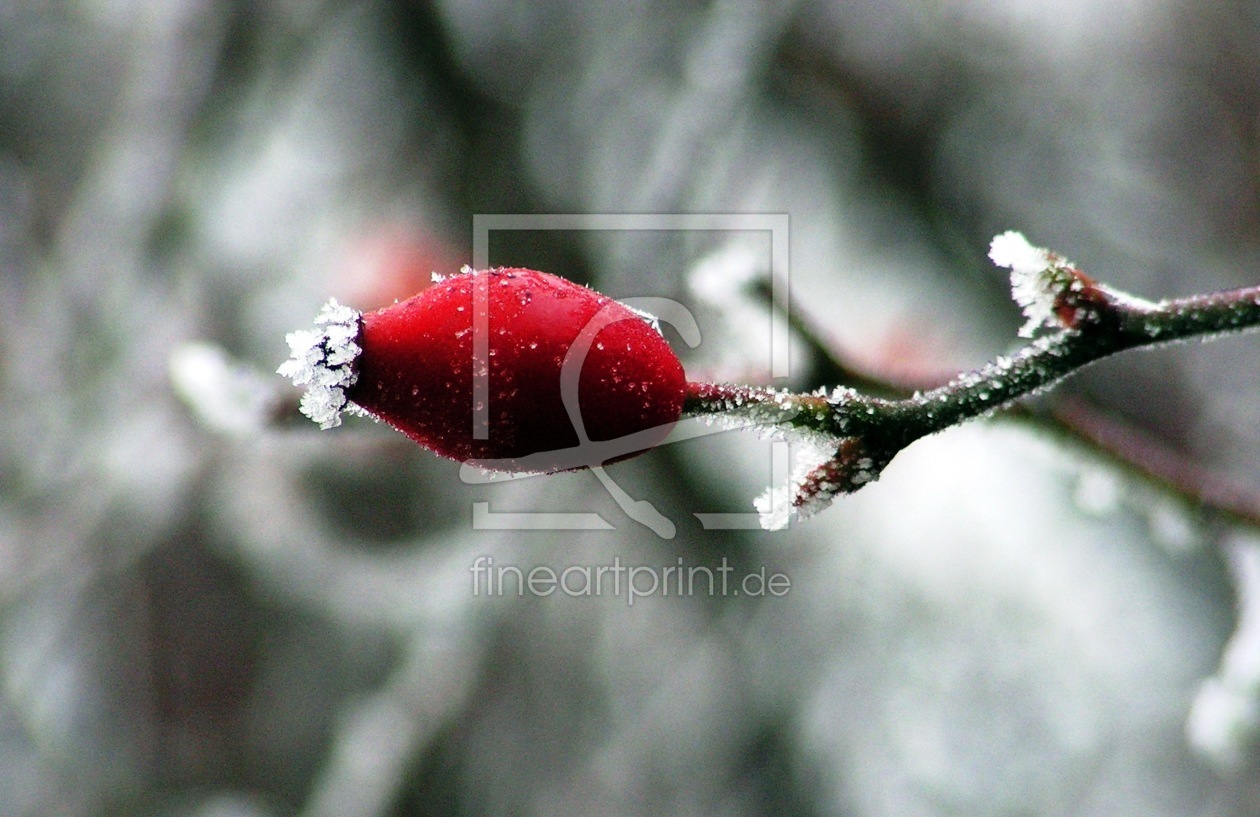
[[245, 622]]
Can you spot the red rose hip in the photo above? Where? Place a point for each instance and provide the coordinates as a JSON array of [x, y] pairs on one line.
[[513, 369]]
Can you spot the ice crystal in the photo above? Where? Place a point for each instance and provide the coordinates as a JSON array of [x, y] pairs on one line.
[[774, 507], [322, 360], [807, 490], [648, 317], [1036, 278]]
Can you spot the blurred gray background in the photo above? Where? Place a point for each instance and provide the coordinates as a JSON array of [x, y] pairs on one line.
[[282, 621]]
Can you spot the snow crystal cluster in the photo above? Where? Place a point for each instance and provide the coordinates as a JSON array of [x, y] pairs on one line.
[[322, 360], [766, 410], [803, 495], [774, 507], [1036, 274], [816, 477]]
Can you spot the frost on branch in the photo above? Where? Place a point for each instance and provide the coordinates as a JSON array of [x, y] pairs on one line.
[[322, 360], [807, 491], [826, 464], [1039, 278]]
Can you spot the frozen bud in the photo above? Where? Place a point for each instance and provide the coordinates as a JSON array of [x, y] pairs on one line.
[[1049, 289]]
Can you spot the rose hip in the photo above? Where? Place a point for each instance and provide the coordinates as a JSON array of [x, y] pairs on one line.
[[474, 369]]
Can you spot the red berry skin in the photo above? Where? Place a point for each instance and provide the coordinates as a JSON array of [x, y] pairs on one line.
[[415, 371]]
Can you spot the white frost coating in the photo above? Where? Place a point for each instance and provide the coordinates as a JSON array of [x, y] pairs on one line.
[[1012, 250], [778, 505], [1033, 284], [322, 360], [774, 508]]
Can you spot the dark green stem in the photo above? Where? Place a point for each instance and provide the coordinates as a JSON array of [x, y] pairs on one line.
[[1102, 323]]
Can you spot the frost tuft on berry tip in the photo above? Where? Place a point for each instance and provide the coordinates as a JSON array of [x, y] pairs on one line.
[[322, 360], [1037, 278]]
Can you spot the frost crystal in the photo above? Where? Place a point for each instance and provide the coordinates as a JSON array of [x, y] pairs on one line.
[[1037, 276], [774, 507], [648, 317], [804, 494], [322, 360]]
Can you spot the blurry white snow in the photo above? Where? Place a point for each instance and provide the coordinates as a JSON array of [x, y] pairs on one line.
[[992, 646], [1224, 722], [723, 281], [226, 395]]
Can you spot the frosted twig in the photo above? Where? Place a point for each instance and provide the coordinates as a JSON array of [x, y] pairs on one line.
[[1087, 322], [1075, 419]]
